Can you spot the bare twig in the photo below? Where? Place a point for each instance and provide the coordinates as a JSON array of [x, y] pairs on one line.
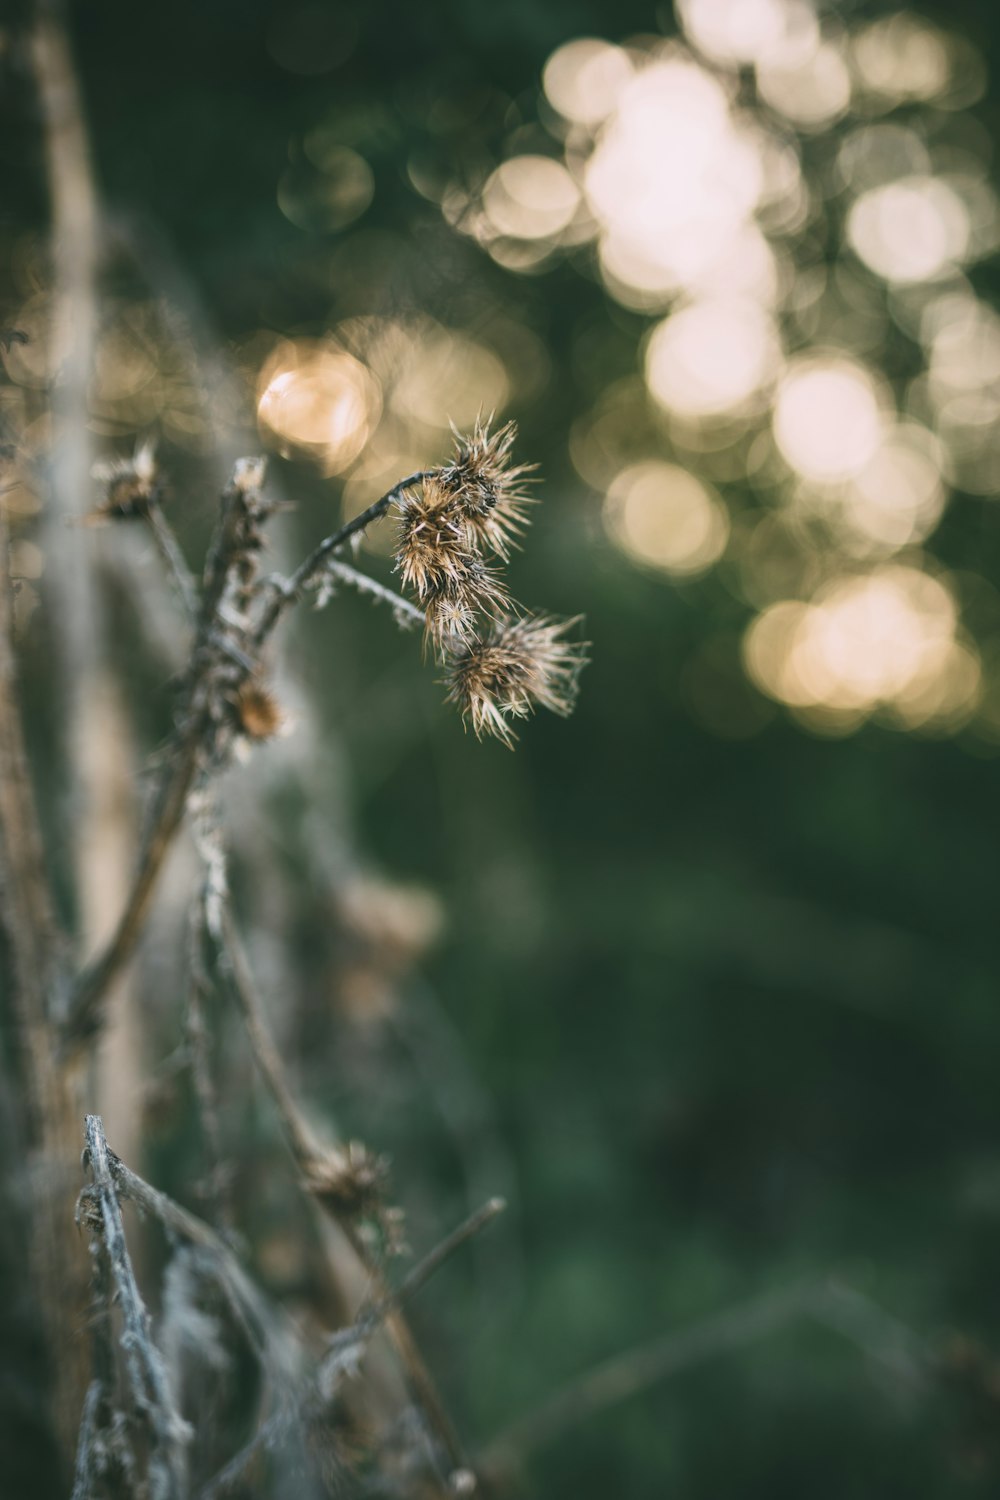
[[226, 581], [406, 614], [170, 551], [147, 1374], [226, 596], [347, 1348], [88, 1452], [421, 1273], [314, 1162], [312, 568], [269, 1334], [216, 1184], [826, 1301]]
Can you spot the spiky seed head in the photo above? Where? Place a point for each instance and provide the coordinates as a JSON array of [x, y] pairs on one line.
[[433, 550], [453, 611], [488, 489], [521, 664]]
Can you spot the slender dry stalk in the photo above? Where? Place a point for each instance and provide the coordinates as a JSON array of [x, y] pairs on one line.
[[37, 952], [625, 1375], [152, 1400], [325, 1173]]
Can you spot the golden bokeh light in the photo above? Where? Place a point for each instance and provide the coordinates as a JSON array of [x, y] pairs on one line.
[[898, 497], [316, 398], [910, 230], [740, 32], [530, 197], [813, 91], [880, 640], [828, 417], [711, 357], [903, 58], [663, 517], [672, 179], [584, 78], [446, 376]]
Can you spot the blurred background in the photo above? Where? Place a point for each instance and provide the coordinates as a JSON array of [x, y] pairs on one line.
[[702, 980]]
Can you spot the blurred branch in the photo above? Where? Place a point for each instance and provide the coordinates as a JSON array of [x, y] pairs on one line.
[[170, 551], [27, 909], [224, 636], [143, 1361], [625, 1375], [635, 1370], [347, 1348], [319, 1166]]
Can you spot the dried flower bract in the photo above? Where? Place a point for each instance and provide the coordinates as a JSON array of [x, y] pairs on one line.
[[521, 664]]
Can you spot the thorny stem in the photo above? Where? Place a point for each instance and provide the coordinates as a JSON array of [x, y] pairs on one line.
[[310, 569], [405, 612], [143, 1361]]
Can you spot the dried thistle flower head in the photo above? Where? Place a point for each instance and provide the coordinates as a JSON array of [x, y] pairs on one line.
[[488, 489], [519, 665], [433, 550], [131, 485], [453, 610]]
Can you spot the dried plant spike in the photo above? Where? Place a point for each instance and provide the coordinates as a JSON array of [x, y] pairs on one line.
[[488, 488], [131, 485], [521, 664]]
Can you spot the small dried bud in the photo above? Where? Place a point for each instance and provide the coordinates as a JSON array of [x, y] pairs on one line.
[[131, 485], [519, 665], [487, 489], [258, 712], [352, 1183]]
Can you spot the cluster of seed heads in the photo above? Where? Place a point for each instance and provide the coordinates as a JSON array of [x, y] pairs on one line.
[[455, 530], [457, 526]]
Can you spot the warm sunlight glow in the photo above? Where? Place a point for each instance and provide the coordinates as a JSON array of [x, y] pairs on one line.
[[881, 639], [317, 398], [530, 197], [910, 230], [711, 357], [584, 78], [827, 418], [663, 517]]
